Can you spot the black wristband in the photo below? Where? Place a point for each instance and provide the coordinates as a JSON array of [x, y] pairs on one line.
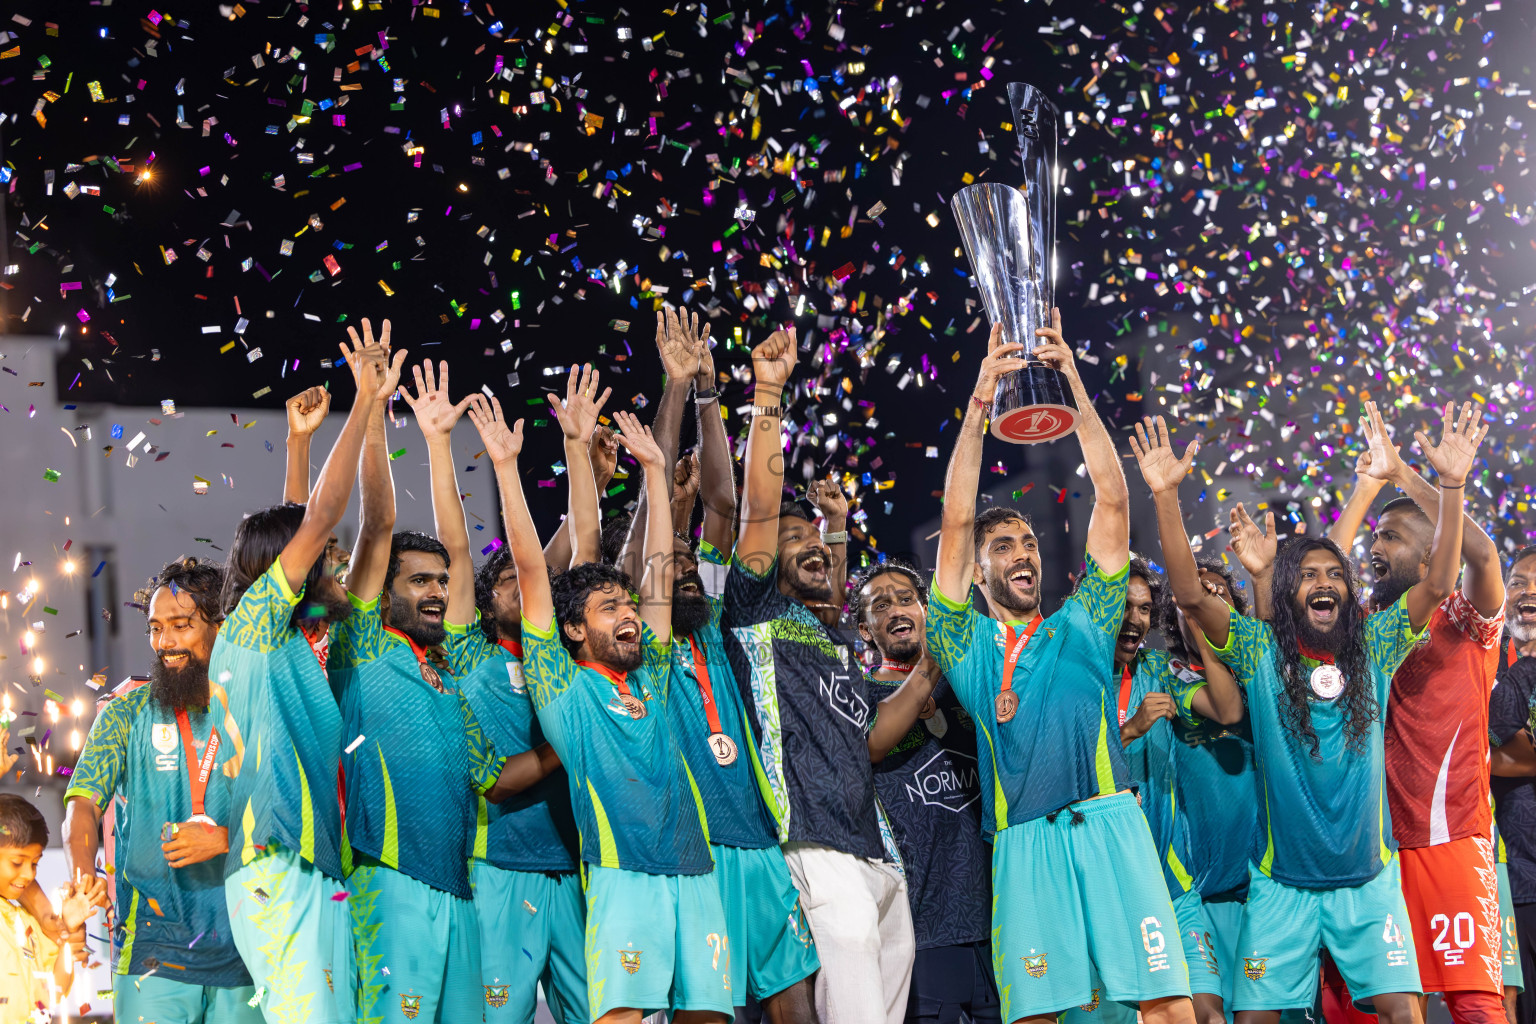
[[1448, 487]]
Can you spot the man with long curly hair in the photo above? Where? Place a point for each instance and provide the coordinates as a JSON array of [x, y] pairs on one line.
[[1317, 676]]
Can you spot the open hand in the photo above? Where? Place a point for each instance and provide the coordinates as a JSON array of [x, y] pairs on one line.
[[582, 406], [641, 442], [307, 410], [8, 757], [774, 360], [434, 410], [501, 443], [76, 908], [375, 370], [1452, 458], [1254, 550], [1160, 467], [1381, 459], [680, 343]]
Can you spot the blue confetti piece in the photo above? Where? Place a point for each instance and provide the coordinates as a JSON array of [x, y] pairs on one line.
[[100, 567]]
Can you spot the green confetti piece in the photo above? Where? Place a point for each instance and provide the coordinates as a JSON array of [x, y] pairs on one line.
[[50, 611], [56, 698], [51, 475], [395, 455]]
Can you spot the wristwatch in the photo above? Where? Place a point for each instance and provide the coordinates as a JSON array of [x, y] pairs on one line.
[[705, 396], [840, 537]]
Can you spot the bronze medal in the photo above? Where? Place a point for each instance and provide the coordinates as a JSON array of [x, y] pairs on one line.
[[1327, 681], [929, 708], [724, 748], [634, 705], [1007, 706]]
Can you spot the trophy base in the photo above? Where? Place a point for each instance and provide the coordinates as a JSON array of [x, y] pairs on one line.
[[1033, 405]]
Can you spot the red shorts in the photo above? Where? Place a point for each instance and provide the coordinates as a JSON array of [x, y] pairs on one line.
[[1452, 892]]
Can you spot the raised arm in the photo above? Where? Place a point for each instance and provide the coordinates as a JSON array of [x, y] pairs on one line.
[[376, 516], [1372, 469], [376, 373], [1109, 526], [656, 583], [1482, 580], [1255, 552], [679, 343], [957, 550], [603, 451], [717, 473], [757, 546], [828, 497], [577, 416], [503, 445], [306, 411], [1452, 461], [1163, 471], [435, 416]]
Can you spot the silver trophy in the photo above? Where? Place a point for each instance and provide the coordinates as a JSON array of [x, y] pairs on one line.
[[1010, 238]]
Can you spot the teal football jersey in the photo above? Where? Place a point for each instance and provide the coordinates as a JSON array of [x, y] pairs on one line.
[[1323, 821], [1062, 745], [285, 730], [418, 758], [1153, 766], [1218, 790], [637, 805], [169, 918], [733, 803], [534, 830]]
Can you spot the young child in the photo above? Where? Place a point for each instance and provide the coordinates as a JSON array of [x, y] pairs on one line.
[[34, 972]]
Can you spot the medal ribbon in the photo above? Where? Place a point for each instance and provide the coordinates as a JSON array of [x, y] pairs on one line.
[[1016, 648], [1125, 691], [1319, 656], [617, 677], [706, 691], [199, 780], [513, 648], [421, 658], [896, 666], [1512, 654]]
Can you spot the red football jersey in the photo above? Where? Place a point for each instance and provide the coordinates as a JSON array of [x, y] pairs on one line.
[[1437, 728]]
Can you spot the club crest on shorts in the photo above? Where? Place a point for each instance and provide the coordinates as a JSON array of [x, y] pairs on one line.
[[410, 1006], [1091, 1004], [629, 959], [1035, 966], [1254, 967], [496, 995]]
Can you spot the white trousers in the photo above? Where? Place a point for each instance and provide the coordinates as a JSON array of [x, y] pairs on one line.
[[862, 925]]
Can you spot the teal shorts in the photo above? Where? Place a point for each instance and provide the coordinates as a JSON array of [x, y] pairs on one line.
[[295, 938], [1204, 976], [1068, 898], [532, 932], [418, 950], [1514, 977], [153, 997], [1364, 927], [1224, 919], [771, 947], [656, 942], [1195, 935]]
